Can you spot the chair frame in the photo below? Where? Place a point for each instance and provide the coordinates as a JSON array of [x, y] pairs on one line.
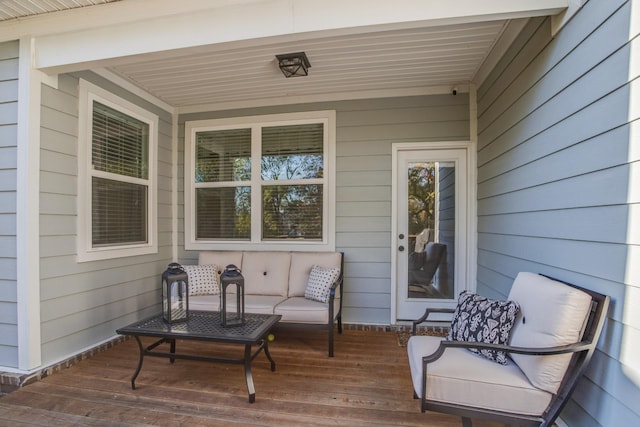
[[582, 352]]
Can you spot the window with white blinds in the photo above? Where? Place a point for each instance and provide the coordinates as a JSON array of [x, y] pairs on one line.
[[260, 182], [120, 150], [116, 180]]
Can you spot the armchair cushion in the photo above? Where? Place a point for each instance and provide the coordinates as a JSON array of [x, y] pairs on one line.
[[462, 378], [552, 314], [480, 319]]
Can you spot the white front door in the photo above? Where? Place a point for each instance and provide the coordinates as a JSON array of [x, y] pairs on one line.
[[430, 226]]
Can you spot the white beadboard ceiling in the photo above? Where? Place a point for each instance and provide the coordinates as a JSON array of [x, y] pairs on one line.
[[12, 9], [224, 76], [401, 61]]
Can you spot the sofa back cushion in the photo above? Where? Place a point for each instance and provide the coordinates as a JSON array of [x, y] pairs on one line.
[[266, 273], [220, 259], [551, 314], [301, 265]]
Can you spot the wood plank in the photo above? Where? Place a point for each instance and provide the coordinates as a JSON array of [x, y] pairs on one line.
[[367, 384]]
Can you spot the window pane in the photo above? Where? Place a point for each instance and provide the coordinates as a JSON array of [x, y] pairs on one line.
[[292, 211], [292, 152], [223, 213], [119, 212], [120, 143], [223, 155]]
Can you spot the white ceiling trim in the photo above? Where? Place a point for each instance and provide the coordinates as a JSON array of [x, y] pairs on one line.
[[326, 97], [71, 44], [507, 37]]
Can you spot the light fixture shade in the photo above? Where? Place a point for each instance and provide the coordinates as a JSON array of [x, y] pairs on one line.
[[294, 64]]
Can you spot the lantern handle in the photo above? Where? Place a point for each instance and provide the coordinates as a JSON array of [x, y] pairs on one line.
[[231, 271], [174, 266]]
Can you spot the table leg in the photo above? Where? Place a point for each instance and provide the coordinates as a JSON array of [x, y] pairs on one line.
[[135, 374], [247, 372], [266, 351], [172, 350]]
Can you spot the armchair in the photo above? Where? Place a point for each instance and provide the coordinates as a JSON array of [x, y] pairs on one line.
[[553, 339]]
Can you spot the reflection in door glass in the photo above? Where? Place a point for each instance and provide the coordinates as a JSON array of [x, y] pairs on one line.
[[431, 210]]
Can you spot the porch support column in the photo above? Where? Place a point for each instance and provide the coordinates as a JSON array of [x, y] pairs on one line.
[[28, 210]]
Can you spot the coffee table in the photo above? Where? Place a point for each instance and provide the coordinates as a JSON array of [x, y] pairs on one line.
[[205, 326]]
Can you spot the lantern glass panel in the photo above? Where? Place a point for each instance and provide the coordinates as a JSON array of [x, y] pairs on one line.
[[175, 294], [232, 284]]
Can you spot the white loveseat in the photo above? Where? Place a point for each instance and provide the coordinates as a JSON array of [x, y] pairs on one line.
[[275, 282]]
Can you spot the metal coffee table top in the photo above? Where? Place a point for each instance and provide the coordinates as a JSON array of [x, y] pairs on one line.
[[204, 325]]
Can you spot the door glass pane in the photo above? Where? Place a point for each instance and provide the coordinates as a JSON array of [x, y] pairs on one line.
[[431, 220]]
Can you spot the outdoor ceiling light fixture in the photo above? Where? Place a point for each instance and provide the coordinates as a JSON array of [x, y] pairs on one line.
[[294, 64]]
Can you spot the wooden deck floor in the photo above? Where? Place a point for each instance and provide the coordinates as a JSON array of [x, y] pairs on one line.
[[367, 383]]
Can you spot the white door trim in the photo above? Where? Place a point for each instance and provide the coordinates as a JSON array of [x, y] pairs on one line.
[[470, 269]]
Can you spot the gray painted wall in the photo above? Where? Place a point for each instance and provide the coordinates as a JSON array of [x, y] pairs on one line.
[[84, 303], [555, 165], [8, 165], [365, 131]]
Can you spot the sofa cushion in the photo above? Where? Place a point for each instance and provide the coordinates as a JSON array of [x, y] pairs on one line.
[[461, 378], [480, 319], [203, 279], [259, 304], [551, 314], [302, 310], [204, 302], [221, 259], [301, 265], [319, 283], [266, 273]]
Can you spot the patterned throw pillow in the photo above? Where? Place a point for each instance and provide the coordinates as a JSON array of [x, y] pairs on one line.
[[479, 319], [203, 279], [319, 284]]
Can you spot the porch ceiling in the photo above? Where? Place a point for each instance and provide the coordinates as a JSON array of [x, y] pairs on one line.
[[354, 55], [401, 61]]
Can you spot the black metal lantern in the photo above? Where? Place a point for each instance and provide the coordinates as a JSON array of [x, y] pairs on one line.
[[231, 277], [175, 294]]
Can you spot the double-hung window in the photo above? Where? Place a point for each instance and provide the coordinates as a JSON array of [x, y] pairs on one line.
[[116, 177], [264, 182]]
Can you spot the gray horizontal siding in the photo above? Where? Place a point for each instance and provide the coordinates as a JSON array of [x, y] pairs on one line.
[[8, 186], [556, 165], [84, 303], [365, 131]]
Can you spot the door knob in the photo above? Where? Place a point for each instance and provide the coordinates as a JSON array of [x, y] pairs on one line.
[[401, 248], [401, 236]]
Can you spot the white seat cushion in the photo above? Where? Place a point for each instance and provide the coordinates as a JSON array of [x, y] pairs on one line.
[[204, 302], [463, 378], [258, 304], [551, 314], [302, 310]]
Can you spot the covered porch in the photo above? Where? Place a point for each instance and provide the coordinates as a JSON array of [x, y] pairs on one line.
[[368, 385]]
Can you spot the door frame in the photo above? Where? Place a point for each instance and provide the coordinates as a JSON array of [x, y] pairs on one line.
[[470, 269]]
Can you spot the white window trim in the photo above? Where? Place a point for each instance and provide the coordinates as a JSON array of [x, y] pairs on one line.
[[327, 243], [86, 252]]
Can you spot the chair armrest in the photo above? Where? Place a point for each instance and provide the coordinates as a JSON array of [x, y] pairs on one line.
[[334, 286], [425, 317], [535, 351]]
